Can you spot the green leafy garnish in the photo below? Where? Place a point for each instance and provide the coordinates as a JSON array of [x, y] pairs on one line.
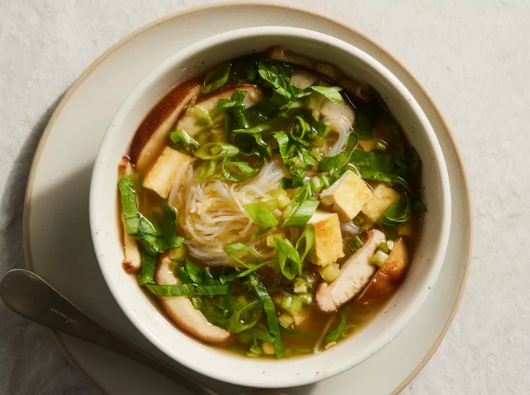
[[195, 272], [153, 239], [128, 206], [387, 178], [278, 77], [355, 243], [305, 241], [181, 138], [237, 171], [284, 147], [253, 269], [147, 272], [255, 348], [187, 289], [206, 170], [330, 92], [245, 70], [237, 250], [270, 313], [170, 290], [216, 151], [211, 290], [288, 259], [398, 212], [254, 130], [363, 160], [184, 276], [214, 314], [364, 124], [216, 77], [400, 160], [336, 333], [301, 131], [169, 228], [245, 316], [236, 100], [260, 214], [301, 214], [262, 335], [300, 209]]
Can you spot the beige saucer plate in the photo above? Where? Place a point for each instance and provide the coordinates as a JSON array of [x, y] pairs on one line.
[[57, 234]]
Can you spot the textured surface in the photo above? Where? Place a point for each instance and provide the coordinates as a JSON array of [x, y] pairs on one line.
[[472, 58]]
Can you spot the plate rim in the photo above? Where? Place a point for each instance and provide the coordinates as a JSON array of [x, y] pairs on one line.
[[245, 3]]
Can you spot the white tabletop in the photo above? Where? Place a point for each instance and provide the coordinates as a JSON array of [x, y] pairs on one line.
[[472, 58]]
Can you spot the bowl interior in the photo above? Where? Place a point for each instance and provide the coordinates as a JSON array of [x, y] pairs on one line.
[[225, 366]]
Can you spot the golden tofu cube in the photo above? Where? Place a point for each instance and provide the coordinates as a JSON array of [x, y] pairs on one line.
[[327, 247], [347, 196], [161, 176], [367, 144], [383, 197]]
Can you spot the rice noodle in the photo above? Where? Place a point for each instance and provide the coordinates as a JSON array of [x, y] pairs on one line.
[[342, 126], [349, 227], [316, 350], [212, 215]]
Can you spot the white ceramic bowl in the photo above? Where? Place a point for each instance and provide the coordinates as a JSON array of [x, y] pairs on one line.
[[226, 366]]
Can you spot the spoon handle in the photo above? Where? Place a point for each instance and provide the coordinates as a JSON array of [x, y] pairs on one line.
[[33, 298]]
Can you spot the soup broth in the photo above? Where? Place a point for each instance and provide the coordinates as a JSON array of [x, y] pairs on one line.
[[270, 207]]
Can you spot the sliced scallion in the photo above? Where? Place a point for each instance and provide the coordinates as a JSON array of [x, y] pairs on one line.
[[329, 272], [288, 259], [292, 302], [261, 215], [355, 243], [379, 258], [286, 320], [216, 151], [306, 298], [216, 77]]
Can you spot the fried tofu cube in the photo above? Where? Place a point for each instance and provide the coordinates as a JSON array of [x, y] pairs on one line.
[[347, 196], [161, 176], [383, 197], [327, 247], [367, 144]]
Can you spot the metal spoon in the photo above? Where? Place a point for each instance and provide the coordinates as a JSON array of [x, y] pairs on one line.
[[33, 298]]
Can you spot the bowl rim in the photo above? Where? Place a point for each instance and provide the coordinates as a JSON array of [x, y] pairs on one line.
[[399, 323]]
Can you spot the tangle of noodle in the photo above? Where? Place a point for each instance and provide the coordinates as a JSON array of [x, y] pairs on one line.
[[212, 215]]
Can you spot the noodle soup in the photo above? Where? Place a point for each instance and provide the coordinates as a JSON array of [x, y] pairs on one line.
[[270, 206]]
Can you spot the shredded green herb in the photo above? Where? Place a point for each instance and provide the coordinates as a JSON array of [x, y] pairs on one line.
[[336, 333], [216, 78], [182, 139]]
